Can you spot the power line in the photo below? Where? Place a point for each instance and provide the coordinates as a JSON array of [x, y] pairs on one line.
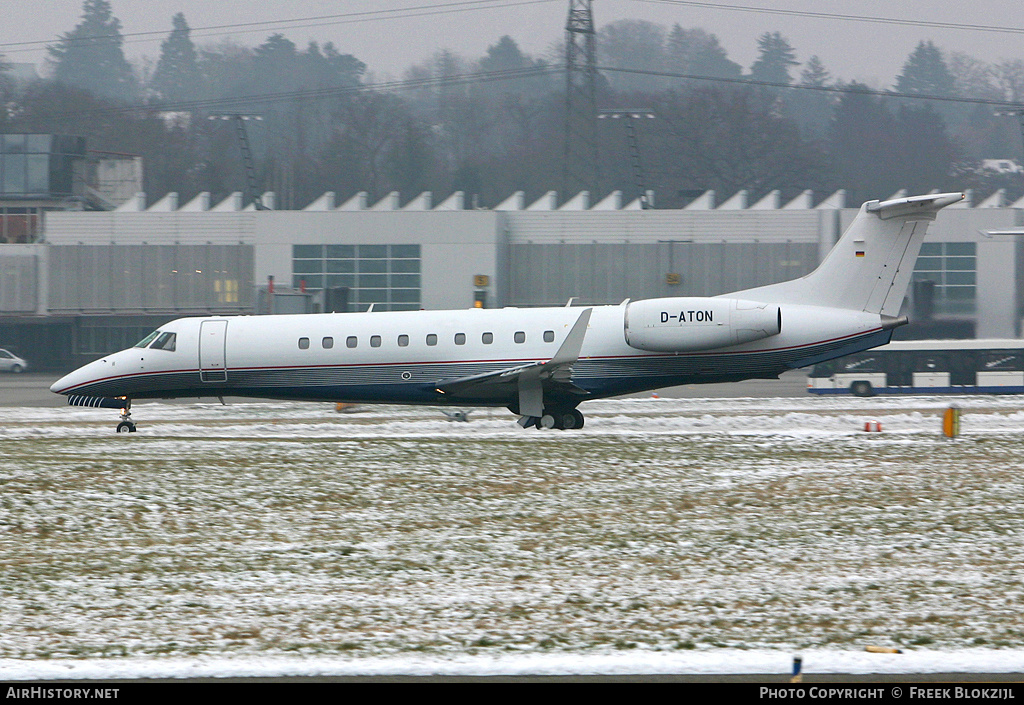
[[837, 16], [293, 23], [481, 77]]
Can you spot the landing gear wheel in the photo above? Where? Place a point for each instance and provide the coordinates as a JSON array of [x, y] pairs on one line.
[[578, 417], [126, 425], [548, 421]]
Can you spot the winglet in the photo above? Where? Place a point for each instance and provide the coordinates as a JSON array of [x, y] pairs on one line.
[[569, 351]]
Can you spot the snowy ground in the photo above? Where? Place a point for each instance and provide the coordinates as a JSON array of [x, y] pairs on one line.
[[668, 536]]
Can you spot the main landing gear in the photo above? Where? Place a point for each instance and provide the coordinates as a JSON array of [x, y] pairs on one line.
[[562, 419]]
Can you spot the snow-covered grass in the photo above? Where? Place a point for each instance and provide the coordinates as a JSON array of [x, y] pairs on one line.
[[678, 530]]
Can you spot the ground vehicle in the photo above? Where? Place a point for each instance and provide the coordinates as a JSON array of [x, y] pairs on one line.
[[925, 367], [9, 362]]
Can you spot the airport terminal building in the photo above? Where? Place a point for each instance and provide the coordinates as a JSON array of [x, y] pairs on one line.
[[76, 283]]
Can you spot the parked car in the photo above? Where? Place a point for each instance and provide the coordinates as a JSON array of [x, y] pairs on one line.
[[9, 362]]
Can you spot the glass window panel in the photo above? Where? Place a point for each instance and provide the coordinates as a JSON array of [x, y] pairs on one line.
[[961, 263], [308, 266], [405, 307], [405, 281], [38, 174], [403, 341], [39, 144], [487, 338], [402, 266], [12, 143], [341, 251], [373, 251], [405, 296], [340, 279], [351, 341], [328, 343], [960, 248], [372, 281], [303, 343], [341, 266], [14, 174], [928, 264], [520, 336], [931, 248], [954, 278], [549, 336], [373, 296], [431, 338], [959, 293], [405, 251], [373, 266], [313, 281], [307, 251], [460, 338], [375, 341]]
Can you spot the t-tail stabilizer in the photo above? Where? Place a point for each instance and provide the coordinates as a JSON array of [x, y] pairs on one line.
[[869, 269]]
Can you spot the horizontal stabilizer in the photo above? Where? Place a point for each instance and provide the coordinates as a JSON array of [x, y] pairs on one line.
[[927, 205]]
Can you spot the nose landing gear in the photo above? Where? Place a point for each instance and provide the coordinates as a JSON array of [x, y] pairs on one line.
[[126, 425]]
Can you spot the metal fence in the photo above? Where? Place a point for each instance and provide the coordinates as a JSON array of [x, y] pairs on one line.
[[607, 273], [18, 285], [150, 278]]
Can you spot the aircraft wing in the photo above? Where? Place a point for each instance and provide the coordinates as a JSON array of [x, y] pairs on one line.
[[531, 380]]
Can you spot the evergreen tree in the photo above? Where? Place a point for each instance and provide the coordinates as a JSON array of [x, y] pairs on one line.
[[90, 56], [698, 53], [925, 73], [815, 74], [177, 75], [812, 109], [635, 45], [774, 60]]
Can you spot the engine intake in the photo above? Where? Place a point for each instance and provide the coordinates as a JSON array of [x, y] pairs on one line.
[[698, 323]]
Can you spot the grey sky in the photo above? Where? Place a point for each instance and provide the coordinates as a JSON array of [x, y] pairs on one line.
[[869, 52]]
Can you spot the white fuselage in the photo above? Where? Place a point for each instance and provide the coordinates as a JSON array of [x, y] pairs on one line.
[[403, 357]]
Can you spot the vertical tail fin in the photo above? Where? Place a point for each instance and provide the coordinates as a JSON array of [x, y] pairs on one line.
[[869, 269]]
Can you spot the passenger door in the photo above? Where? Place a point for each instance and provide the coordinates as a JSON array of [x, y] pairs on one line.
[[212, 351]]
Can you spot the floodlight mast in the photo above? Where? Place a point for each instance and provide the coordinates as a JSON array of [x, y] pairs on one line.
[[243, 142], [629, 117]]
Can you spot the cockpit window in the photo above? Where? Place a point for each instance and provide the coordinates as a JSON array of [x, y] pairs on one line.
[[147, 340], [165, 341]]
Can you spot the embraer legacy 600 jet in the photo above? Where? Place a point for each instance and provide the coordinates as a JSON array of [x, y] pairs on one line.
[[542, 362]]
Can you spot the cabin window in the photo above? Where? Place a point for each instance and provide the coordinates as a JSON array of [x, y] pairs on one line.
[[351, 341], [549, 336], [403, 341], [374, 341], [328, 343], [432, 339], [303, 343], [460, 338], [519, 337], [166, 341], [487, 338]]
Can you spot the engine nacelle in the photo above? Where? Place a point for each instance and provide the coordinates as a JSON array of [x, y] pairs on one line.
[[698, 323]]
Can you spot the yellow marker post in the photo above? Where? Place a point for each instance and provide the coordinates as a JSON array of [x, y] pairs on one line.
[[951, 422]]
